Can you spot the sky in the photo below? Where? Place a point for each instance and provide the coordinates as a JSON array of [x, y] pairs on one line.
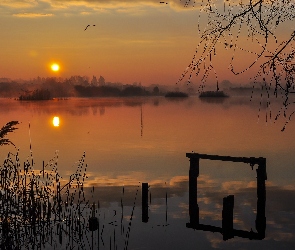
[[142, 41]]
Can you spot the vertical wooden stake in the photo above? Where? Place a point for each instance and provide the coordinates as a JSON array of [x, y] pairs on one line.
[[228, 217], [145, 205], [193, 191], [260, 221]]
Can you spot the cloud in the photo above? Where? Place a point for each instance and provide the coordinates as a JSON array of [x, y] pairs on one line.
[[280, 207], [32, 15], [97, 5], [19, 3], [232, 186], [170, 3], [85, 13]]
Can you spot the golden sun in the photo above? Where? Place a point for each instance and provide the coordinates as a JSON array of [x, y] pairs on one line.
[[55, 67]]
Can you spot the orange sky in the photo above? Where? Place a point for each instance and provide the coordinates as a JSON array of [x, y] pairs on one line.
[[132, 41]]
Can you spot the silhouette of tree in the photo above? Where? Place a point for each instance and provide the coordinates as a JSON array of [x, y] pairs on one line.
[[156, 90], [37, 94], [134, 91], [263, 22], [101, 81]]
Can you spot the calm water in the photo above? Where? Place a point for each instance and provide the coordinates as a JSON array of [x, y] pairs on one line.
[[131, 141]]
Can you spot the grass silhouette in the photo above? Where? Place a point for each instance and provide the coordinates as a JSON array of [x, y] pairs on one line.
[[7, 128]]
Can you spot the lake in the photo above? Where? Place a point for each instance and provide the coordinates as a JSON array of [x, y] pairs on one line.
[[130, 141]]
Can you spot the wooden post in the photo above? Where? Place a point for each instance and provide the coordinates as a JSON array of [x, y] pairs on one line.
[[193, 190], [145, 205], [260, 221], [228, 217], [93, 221]]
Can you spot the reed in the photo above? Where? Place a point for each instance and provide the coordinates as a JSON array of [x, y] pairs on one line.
[[7, 128], [38, 208]]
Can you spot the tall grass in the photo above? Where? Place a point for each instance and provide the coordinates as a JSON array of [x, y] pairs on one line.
[[38, 208]]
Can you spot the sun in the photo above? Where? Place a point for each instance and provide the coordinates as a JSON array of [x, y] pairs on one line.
[[55, 67]]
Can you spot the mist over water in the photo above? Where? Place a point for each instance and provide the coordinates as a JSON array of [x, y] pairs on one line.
[[129, 141]]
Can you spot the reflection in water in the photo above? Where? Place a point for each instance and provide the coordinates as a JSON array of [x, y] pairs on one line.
[[113, 217], [37, 211], [227, 229], [141, 121], [144, 202], [213, 100], [118, 156], [55, 121]]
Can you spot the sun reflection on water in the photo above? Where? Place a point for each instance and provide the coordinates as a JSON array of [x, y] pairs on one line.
[[55, 121]]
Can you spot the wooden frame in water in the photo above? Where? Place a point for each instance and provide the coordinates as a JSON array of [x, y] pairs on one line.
[[227, 229]]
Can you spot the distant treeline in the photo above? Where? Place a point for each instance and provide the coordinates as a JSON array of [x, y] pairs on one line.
[[78, 86], [97, 91], [49, 89], [38, 94], [52, 88], [89, 91]]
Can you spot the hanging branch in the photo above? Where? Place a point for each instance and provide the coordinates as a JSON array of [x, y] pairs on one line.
[[262, 20]]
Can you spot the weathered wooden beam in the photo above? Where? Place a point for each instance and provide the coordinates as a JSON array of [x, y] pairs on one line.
[[228, 217], [236, 232], [193, 191], [260, 221], [250, 160], [145, 205]]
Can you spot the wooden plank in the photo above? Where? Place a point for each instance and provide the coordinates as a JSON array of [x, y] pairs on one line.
[[145, 205], [236, 232], [228, 217], [250, 160]]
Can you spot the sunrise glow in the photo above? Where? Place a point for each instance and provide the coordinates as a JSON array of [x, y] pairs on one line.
[[55, 67]]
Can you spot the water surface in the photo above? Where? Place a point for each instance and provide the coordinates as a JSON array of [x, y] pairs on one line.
[[128, 141]]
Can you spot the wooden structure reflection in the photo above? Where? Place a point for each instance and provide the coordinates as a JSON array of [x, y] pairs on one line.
[[145, 203], [227, 229]]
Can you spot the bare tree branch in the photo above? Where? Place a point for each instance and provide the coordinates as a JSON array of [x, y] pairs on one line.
[[263, 21]]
